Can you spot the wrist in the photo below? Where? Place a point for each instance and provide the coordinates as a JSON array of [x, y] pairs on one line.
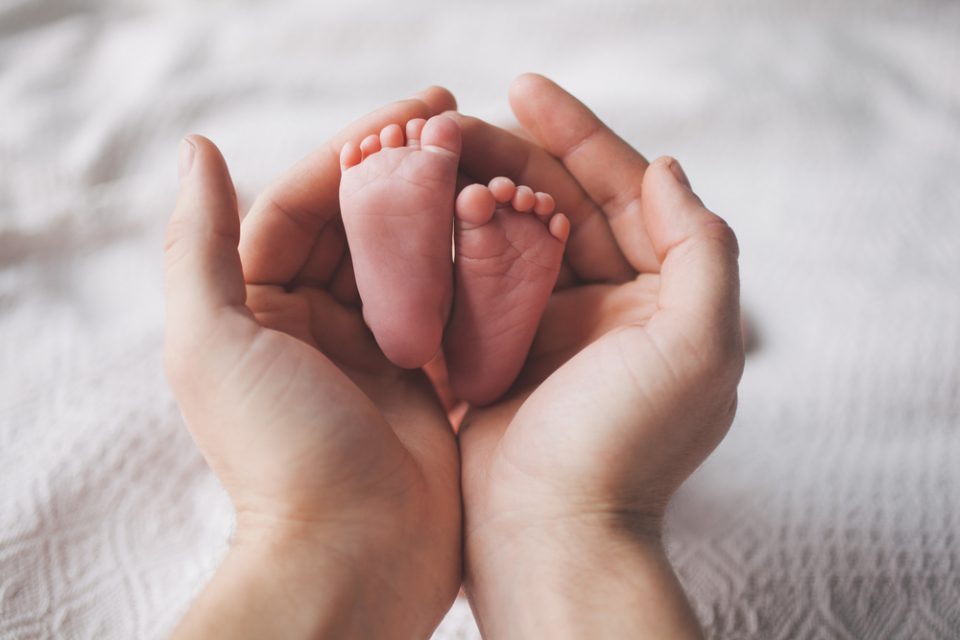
[[584, 577], [296, 581]]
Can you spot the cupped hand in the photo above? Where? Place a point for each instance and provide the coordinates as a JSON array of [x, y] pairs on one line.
[[338, 463], [629, 385]]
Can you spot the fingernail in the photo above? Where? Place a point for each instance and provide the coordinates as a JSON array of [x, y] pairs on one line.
[[185, 161], [679, 174]]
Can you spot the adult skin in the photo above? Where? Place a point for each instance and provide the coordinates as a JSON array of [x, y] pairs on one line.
[[342, 468], [630, 384]]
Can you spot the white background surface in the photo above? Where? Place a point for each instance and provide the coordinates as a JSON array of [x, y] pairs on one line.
[[828, 134]]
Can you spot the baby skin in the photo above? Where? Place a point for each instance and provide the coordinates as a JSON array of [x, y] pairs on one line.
[[400, 209]]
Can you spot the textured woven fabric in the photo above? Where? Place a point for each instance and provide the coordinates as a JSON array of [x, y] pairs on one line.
[[827, 133]]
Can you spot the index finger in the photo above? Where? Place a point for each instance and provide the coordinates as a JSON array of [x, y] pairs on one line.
[[287, 220], [608, 169]]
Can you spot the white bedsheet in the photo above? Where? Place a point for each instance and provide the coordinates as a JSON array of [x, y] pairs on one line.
[[827, 133]]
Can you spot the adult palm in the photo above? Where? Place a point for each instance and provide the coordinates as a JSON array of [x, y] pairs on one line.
[[313, 433], [632, 378]]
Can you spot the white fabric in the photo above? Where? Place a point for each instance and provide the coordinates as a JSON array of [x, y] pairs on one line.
[[827, 133]]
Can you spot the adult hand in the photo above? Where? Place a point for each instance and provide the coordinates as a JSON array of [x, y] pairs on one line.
[[342, 468], [629, 385]]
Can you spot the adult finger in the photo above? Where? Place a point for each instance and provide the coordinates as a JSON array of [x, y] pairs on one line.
[[290, 221], [489, 151], [699, 299], [205, 291], [609, 170]]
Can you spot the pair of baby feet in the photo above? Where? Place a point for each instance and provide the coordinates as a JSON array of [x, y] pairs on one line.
[[400, 205]]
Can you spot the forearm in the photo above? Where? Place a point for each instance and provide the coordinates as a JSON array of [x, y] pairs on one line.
[[576, 584]]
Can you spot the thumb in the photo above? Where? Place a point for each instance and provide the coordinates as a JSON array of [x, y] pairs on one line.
[[699, 300], [205, 291]]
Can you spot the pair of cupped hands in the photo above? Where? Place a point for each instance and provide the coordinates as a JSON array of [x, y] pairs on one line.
[[360, 510]]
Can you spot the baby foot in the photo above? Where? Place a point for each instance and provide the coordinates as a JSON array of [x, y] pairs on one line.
[[508, 250], [396, 199]]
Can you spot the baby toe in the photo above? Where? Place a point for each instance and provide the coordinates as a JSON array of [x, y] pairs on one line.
[[544, 204], [559, 226], [391, 136], [502, 189], [441, 135], [414, 131], [523, 199], [475, 205], [350, 155], [370, 145]]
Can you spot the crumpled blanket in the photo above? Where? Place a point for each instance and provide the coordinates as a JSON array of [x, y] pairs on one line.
[[827, 133]]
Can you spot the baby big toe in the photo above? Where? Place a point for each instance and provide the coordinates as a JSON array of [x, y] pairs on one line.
[[475, 205], [441, 135]]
